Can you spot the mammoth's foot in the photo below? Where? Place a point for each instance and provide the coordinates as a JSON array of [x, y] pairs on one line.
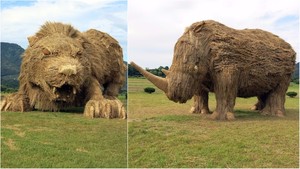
[[219, 116], [254, 107], [15, 102], [105, 108], [258, 106], [278, 113], [197, 111]]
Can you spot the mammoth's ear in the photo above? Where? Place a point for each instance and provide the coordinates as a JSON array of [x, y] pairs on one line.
[[198, 28], [32, 40]]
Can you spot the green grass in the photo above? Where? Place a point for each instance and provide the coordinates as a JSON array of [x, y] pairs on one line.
[[62, 140], [162, 133]]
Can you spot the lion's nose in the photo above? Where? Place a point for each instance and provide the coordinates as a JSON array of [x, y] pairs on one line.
[[68, 70]]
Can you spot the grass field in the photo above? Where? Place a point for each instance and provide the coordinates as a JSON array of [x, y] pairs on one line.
[[62, 140], [162, 133]]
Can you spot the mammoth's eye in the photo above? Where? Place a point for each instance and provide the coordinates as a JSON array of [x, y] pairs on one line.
[[46, 51]]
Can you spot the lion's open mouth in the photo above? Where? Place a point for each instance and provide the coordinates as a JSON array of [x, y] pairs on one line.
[[64, 93]]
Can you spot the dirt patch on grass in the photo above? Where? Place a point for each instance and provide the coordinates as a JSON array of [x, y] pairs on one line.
[[17, 129], [81, 149], [46, 143], [10, 143], [39, 129]]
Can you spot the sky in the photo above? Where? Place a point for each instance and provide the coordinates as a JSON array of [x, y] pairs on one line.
[[23, 18], [147, 30], [155, 25]]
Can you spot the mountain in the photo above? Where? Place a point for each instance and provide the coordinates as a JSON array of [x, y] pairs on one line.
[[10, 58], [10, 64]]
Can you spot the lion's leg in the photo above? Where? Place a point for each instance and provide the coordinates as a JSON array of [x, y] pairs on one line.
[[112, 89], [275, 100], [100, 106], [16, 102], [94, 99], [200, 103], [226, 91], [114, 86]]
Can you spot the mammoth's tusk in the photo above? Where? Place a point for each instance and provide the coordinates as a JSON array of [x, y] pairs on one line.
[[159, 82], [165, 71]]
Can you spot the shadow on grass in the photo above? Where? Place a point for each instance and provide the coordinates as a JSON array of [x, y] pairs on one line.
[[76, 110], [173, 118], [239, 115], [256, 115], [242, 114]]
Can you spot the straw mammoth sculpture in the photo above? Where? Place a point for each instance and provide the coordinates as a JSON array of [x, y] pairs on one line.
[[63, 67], [211, 57]]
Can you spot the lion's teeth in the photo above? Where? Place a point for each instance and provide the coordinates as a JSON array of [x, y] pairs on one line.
[[74, 90], [54, 89]]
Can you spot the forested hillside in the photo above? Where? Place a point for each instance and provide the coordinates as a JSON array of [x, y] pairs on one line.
[[10, 64]]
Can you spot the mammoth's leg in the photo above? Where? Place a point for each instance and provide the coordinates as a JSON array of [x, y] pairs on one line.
[[16, 102], [200, 103], [260, 103], [101, 106], [226, 92], [275, 99]]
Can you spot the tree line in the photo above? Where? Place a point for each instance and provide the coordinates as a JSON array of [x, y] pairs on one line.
[[132, 72]]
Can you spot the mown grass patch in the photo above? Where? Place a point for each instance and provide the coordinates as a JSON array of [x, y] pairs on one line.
[[164, 134], [62, 140]]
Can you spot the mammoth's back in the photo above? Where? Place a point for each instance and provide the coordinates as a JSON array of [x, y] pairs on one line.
[[261, 59]]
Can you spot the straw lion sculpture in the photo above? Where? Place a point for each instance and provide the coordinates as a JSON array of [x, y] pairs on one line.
[[63, 67], [211, 57]]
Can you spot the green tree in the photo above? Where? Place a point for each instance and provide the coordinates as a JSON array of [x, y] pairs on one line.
[[291, 94], [149, 90]]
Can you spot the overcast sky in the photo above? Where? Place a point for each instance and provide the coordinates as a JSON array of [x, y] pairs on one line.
[[22, 18], [151, 27], [155, 25]]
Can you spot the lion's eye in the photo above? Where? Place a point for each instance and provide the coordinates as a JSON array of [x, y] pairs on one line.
[[79, 52], [46, 51]]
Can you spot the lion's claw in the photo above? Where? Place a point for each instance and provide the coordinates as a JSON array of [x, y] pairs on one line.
[[15, 102], [105, 108]]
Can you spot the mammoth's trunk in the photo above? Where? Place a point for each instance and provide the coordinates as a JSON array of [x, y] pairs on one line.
[[159, 82]]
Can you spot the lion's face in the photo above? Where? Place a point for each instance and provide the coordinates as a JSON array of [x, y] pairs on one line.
[[57, 67]]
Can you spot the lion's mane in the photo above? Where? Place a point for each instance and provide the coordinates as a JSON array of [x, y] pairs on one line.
[[95, 54]]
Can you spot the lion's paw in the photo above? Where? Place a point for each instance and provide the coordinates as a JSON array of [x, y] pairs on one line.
[[15, 102], [105, 108]]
